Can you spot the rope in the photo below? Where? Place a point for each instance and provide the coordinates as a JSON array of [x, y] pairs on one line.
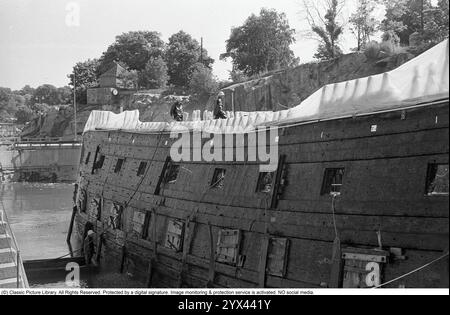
[[333, 209], [412, 272], [146, 173]]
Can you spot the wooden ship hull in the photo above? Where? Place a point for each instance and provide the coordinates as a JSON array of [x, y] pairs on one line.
[[355, 202]]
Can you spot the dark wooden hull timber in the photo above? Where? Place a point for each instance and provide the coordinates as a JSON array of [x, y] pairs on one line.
[[383, 207]]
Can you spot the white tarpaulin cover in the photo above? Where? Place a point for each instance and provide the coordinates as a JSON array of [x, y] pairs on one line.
[[423, 79]]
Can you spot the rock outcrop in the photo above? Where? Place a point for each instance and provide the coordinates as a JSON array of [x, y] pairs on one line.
[[288, 88]]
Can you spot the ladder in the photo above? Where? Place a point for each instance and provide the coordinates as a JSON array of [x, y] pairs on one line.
[[12, 272]]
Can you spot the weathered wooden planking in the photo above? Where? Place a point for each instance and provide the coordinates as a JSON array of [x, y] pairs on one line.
[[386, 170]]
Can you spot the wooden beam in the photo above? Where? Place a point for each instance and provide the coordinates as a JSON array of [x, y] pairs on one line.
[[337, 265], [188, 235], [212, 259], [263, 261]]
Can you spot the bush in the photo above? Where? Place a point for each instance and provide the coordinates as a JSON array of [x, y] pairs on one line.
[[375, 50], [372, 50]]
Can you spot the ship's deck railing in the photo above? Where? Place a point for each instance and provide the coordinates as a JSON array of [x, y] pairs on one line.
[[22, 280]]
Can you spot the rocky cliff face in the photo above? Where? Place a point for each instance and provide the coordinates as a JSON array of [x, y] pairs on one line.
[[288, 88], [56, 124]]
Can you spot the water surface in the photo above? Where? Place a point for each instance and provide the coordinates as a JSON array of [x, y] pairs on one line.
[[40, 216]]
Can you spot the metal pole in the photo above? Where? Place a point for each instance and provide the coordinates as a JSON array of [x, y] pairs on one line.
[[232, 101], [75, 103], [201, 51], [18, 269]]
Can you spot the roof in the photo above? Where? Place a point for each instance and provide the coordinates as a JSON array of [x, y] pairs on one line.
[[421, 80], [115, 70]]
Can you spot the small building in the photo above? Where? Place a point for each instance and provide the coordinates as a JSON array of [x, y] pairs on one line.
[[111, 90]]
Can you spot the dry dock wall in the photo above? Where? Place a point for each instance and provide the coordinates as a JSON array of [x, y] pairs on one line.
[[52, 164]]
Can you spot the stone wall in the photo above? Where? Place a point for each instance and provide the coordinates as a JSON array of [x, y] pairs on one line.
[[40, 165]]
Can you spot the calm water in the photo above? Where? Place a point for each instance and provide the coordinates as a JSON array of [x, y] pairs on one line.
[[40, 216]]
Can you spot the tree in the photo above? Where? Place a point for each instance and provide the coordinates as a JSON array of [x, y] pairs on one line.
[[436, 24], [27, 90], [64, 95], [24, 114], [46, 94], [5, 94], [86, 78], [133, 49], [203, 82], [155, 75], [364, 24], [405, 17], [327, 29], [183, 52], [262, 44]]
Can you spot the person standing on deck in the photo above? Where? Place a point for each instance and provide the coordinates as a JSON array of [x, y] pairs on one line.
[[219, 112], [177, 111]]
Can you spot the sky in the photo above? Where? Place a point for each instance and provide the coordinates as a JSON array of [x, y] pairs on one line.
[[41, 40]]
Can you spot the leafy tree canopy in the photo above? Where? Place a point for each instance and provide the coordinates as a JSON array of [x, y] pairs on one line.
[[155, 75], [262, 44], [363, 23], [85, 78], [203, 82], [405, 17], [133, 49], [183, 52], [329, 33]]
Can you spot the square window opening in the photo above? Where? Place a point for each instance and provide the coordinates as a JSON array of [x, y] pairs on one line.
[[101, 162], [362, 268], [333, 181], [88, 158], [437, 180], [172, 174], [119, 165], [218, 181], [142, 169], [98, 162], [228, 247], [146, 227], [265, 182], [174, 235], [277, 257]]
